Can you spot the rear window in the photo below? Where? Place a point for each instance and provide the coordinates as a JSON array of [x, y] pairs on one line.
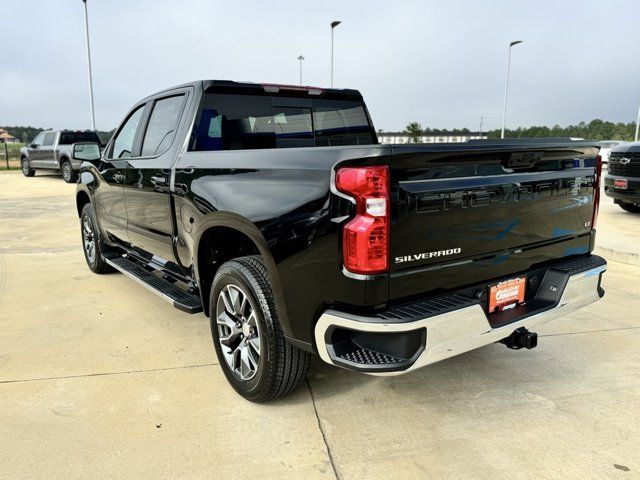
[[237, 122], [67, 138]]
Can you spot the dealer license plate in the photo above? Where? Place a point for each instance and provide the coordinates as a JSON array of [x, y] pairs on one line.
[[506, 294], [621, 183]]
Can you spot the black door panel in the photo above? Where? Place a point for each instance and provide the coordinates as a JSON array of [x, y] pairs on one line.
[[109, 200], [147, 186], [149, 208]]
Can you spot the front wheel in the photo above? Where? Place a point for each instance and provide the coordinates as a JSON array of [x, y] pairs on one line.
[[630, 207], [253, 353], [68, 173], [91, 243], [27, 171]]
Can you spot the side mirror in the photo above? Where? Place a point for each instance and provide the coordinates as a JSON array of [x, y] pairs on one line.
[[34, 145], [86, 151]]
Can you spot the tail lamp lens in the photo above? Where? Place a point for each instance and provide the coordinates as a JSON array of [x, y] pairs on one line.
[[596, 191], [365, 239]]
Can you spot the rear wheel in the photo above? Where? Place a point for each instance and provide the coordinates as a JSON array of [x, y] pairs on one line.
[[27, 171], [252, 351], [91, 242], [630, 207], [68, 173]]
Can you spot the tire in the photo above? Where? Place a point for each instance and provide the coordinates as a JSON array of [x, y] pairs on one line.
[[92, 245], [630, 207], [68, 173], [279, 367], [27, 171]]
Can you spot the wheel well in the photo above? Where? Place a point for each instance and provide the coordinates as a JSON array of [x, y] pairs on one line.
[[63, 158], [218, 245], [81, 200]]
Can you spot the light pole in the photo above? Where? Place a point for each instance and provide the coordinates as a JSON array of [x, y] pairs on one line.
[[637, 124], [86, 29], [506, 86], [301, 58], [334, 24]]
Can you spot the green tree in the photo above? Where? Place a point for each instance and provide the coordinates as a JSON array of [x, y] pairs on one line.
[[414, 130], [596, 129]]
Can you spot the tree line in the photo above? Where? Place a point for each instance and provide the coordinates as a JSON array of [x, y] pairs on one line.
[[26, 134], [594, 130]]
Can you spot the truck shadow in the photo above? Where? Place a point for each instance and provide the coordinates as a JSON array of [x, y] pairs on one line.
[[493, 367]]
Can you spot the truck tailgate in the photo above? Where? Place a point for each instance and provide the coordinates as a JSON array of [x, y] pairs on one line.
[[481, 211]]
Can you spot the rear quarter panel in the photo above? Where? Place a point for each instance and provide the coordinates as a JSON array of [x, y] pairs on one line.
[[286, 194]]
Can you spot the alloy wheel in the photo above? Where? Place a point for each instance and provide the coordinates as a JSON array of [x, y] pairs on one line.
[[89, 239], [238, 332], [25, 167], [66, 172]]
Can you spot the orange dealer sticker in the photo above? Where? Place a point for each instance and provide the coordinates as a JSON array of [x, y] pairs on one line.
[[506, 294]]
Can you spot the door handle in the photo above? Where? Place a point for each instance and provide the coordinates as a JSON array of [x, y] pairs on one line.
[[159, 181], [186, 171]]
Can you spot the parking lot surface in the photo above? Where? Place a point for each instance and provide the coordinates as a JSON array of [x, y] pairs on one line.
[[100, 378]]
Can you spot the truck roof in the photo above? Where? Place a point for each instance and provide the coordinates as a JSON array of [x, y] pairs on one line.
[[228, 86]]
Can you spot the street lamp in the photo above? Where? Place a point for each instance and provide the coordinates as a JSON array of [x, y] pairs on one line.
[[637, 124], [301, 58], [506, 86], [334, 24], [86, 29]]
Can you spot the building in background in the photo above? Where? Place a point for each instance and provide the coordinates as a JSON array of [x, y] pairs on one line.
[[6, 137], [440, 137]]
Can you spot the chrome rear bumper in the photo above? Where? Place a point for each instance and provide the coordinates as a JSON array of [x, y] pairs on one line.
[[457, 330]]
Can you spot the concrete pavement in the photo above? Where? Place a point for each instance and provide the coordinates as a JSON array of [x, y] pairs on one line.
[[618, 232], [100, 378]]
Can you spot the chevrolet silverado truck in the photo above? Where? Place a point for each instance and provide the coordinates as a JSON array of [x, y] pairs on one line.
[[274, 210], [52, 150], [622, 182]]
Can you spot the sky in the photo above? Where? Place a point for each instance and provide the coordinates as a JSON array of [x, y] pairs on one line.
[[440, 63]]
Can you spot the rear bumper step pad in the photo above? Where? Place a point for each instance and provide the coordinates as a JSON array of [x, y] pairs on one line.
[[449, 325]]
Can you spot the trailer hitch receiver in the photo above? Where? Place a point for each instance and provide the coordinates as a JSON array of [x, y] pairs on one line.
[[521, 338]]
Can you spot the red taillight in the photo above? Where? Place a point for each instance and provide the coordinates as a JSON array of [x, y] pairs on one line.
[[596, 191], [365, 239]]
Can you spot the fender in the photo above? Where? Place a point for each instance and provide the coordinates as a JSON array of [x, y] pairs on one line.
[[83, 188], [245, 226]]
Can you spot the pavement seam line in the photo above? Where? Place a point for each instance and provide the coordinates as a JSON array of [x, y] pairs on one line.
[[104, 374], [590, 331], [322, 432]]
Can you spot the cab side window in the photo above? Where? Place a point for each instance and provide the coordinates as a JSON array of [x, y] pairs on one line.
[[123, 141], [38, 140], [162, 125]]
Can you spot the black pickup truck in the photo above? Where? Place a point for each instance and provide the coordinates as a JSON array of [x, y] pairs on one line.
[[622, 182], [274, 210]]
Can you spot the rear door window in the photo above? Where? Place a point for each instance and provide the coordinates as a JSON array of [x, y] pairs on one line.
[[49, 138], [161, 128]]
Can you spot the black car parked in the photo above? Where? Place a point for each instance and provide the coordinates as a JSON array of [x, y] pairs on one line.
[[274, 210], [622, 182]]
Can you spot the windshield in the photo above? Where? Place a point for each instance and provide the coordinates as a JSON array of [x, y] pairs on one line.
[[67, 138]]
